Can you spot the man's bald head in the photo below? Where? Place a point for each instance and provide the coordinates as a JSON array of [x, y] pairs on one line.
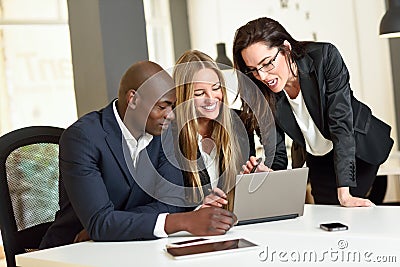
[[136, 75]]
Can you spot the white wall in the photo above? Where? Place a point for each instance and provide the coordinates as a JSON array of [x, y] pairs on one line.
[[352, 25], [36, 75]]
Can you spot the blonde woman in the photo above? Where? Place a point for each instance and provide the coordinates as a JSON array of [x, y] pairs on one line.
[[207, 141]]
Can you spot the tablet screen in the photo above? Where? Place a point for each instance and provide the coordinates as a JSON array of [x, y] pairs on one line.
[[186, 242], [218, 246]]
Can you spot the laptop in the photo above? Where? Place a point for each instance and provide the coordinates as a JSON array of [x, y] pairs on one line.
[[270, 196]]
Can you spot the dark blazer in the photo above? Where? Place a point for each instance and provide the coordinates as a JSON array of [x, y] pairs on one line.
[[98, 190], [340, 117], [205, 176], [280, 161], [246, 146], [204, 179]]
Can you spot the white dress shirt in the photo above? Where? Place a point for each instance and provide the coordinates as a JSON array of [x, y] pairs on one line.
[[135, 146]]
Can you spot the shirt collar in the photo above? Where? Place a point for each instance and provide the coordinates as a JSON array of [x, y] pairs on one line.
[[125, 132]]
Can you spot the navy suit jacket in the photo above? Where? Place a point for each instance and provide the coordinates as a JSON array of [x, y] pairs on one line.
[[102, 192]]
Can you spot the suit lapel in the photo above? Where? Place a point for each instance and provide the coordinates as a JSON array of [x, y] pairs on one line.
[[116, 143], [310, 90], [286, 120], [203, 173]]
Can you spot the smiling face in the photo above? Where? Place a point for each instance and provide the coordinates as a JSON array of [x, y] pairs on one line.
[[208, 94], [149, 106], [258, 58], [143, 114], [161, 114]]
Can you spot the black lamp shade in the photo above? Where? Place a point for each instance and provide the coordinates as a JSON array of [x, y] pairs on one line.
[[222, 58], [390, 23]]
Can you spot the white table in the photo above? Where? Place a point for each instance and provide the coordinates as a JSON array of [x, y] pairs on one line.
[[374, 234]]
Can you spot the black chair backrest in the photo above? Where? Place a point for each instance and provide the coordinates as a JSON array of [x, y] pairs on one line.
[[28, 187]]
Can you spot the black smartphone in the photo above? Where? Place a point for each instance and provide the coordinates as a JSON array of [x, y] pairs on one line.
[[336, 226]]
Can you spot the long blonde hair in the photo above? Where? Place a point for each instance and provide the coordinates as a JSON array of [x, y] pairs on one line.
[[227, 145]]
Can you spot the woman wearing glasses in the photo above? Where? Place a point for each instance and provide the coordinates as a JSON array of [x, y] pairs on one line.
[[307, 87]]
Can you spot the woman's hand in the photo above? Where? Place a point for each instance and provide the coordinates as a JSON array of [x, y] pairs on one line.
[[251, 163], [347, 200], [216, 198]]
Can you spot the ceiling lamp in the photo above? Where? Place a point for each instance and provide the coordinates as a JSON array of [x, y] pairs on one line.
[[390, 23]]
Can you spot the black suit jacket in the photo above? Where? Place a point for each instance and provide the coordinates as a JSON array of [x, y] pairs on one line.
[[102, 192], [246, 146], [339, 116]]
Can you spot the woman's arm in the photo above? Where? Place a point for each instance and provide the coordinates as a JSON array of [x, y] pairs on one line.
[[340, 122]]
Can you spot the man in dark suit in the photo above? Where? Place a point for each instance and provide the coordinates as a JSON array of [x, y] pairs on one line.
[[116, 179]]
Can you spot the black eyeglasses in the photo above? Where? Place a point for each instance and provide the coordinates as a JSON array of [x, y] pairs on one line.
[[264, 67]]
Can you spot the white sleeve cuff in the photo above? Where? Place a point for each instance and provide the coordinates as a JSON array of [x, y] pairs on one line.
[[160, 224]]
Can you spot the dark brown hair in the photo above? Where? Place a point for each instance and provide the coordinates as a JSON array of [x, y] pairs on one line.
[[272, 34]]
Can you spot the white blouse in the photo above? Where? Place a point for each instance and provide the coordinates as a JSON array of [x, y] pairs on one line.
[[211, 162], [316, 143]]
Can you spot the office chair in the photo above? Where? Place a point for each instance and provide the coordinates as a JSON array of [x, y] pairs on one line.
[[28, 187]]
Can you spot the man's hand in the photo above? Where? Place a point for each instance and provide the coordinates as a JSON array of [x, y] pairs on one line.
[[202, 222], [82, 236]]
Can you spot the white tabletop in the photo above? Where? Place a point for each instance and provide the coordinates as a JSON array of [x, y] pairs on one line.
[[373, 236]]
